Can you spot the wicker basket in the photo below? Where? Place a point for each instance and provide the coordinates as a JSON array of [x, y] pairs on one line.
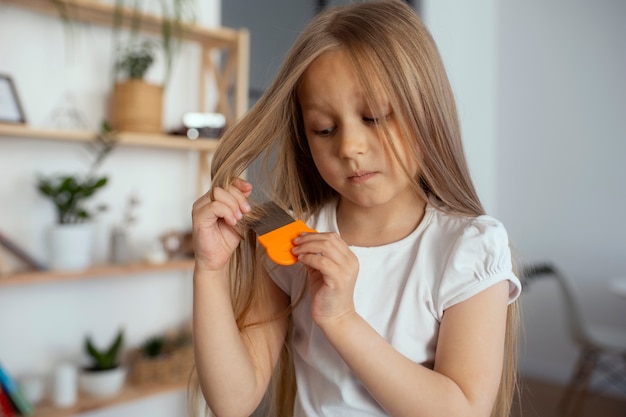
[[136, 106], [172, 367]]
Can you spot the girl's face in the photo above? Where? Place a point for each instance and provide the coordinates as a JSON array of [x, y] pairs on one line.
[[345, 141]]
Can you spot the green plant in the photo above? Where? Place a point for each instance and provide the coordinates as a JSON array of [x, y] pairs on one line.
[[69, 193], [153, 347], [136, 56], [134, 61], [104, 359]]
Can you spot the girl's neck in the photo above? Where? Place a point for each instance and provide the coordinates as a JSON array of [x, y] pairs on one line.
[[380, 225]]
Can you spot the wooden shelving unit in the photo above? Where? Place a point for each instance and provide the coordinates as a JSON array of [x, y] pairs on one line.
[[225, 59], [98, 271], [86, 403], [125, 138]]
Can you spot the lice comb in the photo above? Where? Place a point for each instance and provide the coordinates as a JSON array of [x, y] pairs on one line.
[[276, 231]]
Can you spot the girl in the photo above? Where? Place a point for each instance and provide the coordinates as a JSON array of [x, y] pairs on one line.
[[398, 306]]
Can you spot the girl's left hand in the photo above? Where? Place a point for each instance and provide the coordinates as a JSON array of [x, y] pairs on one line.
[[333, 270]]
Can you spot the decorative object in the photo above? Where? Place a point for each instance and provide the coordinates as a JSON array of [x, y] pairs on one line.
[[136, 105], [105, 377], [65, 385], [163, 358], [156, 254], [67, 114], [10, 108], [69, 193], [203, 125], [121, 251], [178, 244]]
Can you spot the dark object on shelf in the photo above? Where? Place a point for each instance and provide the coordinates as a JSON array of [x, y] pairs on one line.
[[201, 125], [153, 347], [10, 108], [177, 244], [18, 252]]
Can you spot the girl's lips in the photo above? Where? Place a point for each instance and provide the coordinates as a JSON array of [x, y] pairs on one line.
[[361, 177]]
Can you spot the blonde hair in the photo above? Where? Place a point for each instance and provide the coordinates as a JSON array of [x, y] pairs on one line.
[[391, 50]]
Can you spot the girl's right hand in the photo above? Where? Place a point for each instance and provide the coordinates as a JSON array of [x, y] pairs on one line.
[[215, 237]]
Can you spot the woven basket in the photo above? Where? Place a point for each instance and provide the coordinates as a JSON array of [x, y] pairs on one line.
[[136, 106], [172, 367]]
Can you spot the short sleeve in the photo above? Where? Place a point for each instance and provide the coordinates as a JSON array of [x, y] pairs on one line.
[[479, 258]]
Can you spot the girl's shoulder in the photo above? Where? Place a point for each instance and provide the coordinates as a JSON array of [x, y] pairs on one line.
[[455, 226], [474, 252]]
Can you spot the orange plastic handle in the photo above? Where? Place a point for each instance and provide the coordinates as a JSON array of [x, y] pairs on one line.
[[278, 242]]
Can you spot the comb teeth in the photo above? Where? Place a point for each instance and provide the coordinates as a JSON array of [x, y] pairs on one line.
[[273, 217]]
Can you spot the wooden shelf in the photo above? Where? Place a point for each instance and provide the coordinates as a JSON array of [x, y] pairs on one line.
[[125, 138], [42, 277], [87, 403], [103, 14], [224, 63]]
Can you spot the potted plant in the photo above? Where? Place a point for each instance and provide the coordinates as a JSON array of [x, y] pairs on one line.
[[136, 105], [105, 376], [70, 240]]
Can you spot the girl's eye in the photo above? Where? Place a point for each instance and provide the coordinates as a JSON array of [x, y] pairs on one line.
[[324, 132], [375, 120]]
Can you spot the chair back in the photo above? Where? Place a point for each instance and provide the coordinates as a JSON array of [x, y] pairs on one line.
[[575, 322]]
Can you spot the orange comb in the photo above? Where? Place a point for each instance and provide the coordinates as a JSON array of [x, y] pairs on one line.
[[276, 232]]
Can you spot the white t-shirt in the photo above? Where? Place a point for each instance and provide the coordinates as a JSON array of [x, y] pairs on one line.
[[402, 290]]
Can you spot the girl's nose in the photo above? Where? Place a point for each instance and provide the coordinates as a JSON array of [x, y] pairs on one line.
[[352, 142]]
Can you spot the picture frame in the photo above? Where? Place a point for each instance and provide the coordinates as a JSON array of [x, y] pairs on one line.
[[10, 108]]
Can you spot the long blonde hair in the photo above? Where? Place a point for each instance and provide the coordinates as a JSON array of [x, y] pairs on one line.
[[391, 49]]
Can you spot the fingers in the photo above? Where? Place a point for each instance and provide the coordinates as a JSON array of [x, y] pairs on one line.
[[322, 250], [228, 204]]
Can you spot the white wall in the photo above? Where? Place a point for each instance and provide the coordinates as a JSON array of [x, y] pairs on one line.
[[541, 93], [465, 33], [43, 324], [562, 160]]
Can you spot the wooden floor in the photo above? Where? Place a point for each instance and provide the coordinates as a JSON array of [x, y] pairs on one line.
[[540, 399]]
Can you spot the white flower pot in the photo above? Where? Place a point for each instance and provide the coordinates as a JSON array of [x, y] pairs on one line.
[[102, 383], [71, 246]]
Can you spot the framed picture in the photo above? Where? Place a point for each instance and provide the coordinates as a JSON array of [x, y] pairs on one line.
[[10, 108]]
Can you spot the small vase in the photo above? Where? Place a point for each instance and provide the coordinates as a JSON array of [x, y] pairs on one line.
[[120, 251], [71, 246]]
